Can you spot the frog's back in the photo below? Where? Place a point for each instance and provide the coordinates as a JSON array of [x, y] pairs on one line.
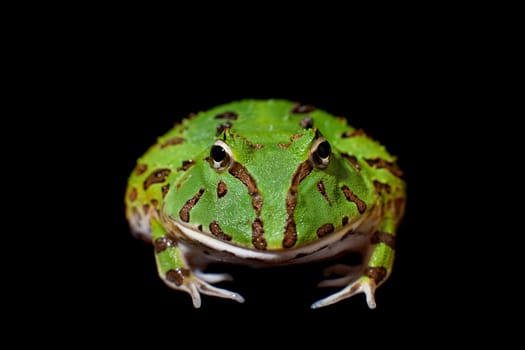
[[270, 139]]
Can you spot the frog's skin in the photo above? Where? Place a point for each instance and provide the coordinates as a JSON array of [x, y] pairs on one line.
[[267, 183]]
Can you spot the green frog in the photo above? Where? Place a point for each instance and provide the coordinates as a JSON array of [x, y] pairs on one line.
[[267, 183]]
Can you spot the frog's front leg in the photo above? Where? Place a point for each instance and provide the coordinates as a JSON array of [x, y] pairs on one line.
[[378, 259], [174, 270]]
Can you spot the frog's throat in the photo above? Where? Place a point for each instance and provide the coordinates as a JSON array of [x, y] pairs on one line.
[[352, 235]]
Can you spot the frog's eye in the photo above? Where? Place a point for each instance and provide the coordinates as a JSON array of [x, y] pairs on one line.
[[320, 153], [221, 156]]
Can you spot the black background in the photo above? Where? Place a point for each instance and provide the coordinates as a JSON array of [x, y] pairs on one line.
[[116, 101], [400, 109]]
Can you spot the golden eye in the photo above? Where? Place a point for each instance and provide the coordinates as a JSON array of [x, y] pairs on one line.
[[221, 156], [320, 153]]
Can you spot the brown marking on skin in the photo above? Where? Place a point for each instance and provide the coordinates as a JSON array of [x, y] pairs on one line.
[[218, 232], [257, 203], [199, 228], [399, 206], [300, 109], [345, 220], [227, 116], [295, 137], [177, 276], [325, 229], [258, 240], [133, 194], [290, 231], [186, 164], [165, 190], [376, 273], [383, 237], [245, 177], [242, 174], [382, 187], [352, 160], [381, 163], [145, 208], [173, 141], [164, 242], [350, 196], [184, 213], [307, 123], [222, 127], [155, 203], [158, 176], [348, 134], [248, 142], [284, 145], [221, 189], [141, 169], [321, 188]]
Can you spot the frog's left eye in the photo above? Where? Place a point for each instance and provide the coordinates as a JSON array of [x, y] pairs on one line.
[[320, 153], [221, 156]]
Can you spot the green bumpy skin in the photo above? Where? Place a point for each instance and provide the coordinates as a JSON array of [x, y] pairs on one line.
[[265, 183]]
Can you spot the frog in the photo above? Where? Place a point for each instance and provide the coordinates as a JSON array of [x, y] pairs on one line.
[[265, 183]]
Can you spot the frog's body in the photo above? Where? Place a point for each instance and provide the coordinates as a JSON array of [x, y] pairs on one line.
[[266, 182]]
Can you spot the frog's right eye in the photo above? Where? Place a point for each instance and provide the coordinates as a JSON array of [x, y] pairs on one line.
[[221, 156]]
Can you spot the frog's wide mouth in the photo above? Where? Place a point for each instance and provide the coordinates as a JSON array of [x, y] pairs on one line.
[[352, 236]]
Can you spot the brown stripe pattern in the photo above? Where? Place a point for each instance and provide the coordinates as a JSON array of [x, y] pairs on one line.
[[172, 141], [221, 189], [184, 213], [218, 232], [158, 176], [242, 174], [290, 230], [322, 189], [381, 163], [384, 237], [350, 196]]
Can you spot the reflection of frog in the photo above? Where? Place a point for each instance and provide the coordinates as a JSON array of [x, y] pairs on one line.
[[265, 183]]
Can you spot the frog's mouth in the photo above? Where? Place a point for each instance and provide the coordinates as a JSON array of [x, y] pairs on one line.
[[351, 237]]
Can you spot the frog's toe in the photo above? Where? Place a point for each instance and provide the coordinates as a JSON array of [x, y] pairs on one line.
[[363, 285], [213, 277], [336, 282], [348, 273], [208, 289]]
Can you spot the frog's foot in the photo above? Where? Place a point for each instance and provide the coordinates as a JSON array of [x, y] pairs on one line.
[[348, 273], [364, 285], [197, 283]]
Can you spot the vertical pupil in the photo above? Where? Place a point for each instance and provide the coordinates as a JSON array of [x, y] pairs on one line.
[[218, 153], [323, 150]]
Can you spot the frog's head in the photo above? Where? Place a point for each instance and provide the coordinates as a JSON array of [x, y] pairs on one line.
[[278, 186]]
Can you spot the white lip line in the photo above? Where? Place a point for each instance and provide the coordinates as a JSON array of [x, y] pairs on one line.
[[263, 255]]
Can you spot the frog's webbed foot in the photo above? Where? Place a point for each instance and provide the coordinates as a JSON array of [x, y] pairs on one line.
[[364, 285], [176, 271], [196, 283]]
